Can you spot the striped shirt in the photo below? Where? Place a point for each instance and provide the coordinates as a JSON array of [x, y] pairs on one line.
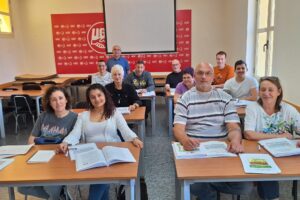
[[205, 114]]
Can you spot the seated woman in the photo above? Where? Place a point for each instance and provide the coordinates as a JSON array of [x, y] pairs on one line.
[[100, 124], [52, 125], [241, 86], [122, 94], [187, 83], [269, 117]]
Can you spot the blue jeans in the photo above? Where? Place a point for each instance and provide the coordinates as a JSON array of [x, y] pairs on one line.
[[208, 191], [268, 189], [99, 192], [45, 192]]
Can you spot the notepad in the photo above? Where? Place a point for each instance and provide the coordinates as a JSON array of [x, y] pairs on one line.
[[5, 162], [123, 110], [41, 156], [14, 149]]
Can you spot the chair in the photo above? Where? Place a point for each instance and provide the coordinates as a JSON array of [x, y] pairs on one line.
[[82, 104], [31, 86], [23, 105], [294, 190]]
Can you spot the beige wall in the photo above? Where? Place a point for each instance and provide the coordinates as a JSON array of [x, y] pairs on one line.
[[287, 48], [216, 25]]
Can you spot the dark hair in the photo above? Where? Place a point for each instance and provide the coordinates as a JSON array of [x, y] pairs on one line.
[[101, 60], [275, 80], [109, 107], [139, 62], [188, 70], [46, 98], [222, 53], [239, 62]]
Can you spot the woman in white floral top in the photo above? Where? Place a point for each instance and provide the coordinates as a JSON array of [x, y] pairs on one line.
[[267, 118]]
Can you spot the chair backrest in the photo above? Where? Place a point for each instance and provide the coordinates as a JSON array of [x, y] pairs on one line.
[[22, 103], [82, 104], [34, 86]]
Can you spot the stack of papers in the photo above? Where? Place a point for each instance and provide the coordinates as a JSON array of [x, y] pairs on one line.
[[172, 91], [280, 147], [149, 94], [123, 110], [13, 150], [42, 156], [205, 150], [259, 164]]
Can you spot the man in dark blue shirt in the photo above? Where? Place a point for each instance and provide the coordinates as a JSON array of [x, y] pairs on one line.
[[117, 58]]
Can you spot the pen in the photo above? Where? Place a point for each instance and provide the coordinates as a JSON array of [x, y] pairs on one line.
[[258, 147]]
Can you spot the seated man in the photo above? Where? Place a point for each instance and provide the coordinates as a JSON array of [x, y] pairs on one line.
[[103, 77], [222, 72], [175, 76], [206, 113], [142, 81]]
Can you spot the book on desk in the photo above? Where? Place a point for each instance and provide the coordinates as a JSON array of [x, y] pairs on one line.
[[208, 149], [280, 147], [88, 156]]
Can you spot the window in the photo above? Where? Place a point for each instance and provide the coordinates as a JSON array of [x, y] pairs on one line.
[[5, 17], [264, 37]]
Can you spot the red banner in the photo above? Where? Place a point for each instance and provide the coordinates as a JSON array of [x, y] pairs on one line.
[[79, 42]]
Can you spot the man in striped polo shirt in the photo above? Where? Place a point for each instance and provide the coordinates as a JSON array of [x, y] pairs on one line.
[[207, 113]]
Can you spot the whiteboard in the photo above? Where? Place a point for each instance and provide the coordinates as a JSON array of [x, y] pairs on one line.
[[140, 26]]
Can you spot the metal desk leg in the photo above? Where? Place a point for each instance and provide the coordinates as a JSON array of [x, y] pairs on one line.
[[11, 193], [141, 132], [2, 120], [170, 109], [153, 119], [185, 190], [37, 103], [132, 184]]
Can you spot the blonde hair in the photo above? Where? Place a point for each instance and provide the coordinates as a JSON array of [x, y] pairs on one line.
[[117, 68]]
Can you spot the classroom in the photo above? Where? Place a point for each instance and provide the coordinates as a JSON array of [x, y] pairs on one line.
[[216, 25]]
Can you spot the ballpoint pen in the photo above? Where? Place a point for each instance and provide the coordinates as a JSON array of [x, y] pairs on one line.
[[258, 147]]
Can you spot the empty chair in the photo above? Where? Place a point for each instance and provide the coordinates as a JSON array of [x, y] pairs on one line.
[[23, 105]]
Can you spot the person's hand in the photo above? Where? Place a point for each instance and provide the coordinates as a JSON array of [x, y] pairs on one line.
[[235, 147], [190, 144], [167, 87], [143, 90], [132, 107], [286, 135], [62, 148], [138, 143]]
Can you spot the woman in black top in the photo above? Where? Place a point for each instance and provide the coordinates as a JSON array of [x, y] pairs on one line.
[[123, 95]]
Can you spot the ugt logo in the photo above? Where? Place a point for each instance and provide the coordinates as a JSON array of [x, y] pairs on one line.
[[96, 36]]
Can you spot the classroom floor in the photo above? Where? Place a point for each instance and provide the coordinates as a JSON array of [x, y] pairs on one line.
[[159, 164]]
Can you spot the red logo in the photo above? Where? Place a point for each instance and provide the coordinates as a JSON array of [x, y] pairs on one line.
[[96, 37]]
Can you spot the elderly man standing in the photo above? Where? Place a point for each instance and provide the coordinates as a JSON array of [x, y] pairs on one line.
[[118, 59], [142, 81], [175, 76], [207, 113], [222, 71]]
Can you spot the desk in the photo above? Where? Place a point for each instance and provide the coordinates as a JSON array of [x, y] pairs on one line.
[[61, 171], [61, 81], [189, 171], [153, 118], [170, 97], [35, 94]]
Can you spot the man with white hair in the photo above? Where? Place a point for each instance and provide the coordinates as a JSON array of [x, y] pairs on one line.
[[117, 58], [207, 113]]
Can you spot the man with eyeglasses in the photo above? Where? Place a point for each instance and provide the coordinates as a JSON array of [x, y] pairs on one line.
[[175, 76], [118, 59], [206, 113], [222, 71], [103, 76]]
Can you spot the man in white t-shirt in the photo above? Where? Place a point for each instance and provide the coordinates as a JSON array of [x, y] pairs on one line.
[[242, 86], [103, 76]]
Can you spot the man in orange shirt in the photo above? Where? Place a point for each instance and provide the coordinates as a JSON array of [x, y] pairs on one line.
[[222, 71]]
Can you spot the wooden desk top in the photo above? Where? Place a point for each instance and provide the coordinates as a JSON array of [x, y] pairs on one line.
[[32, 93], [231, 168], [159, 75], [62, 169], [58, 80], [137, 115]]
